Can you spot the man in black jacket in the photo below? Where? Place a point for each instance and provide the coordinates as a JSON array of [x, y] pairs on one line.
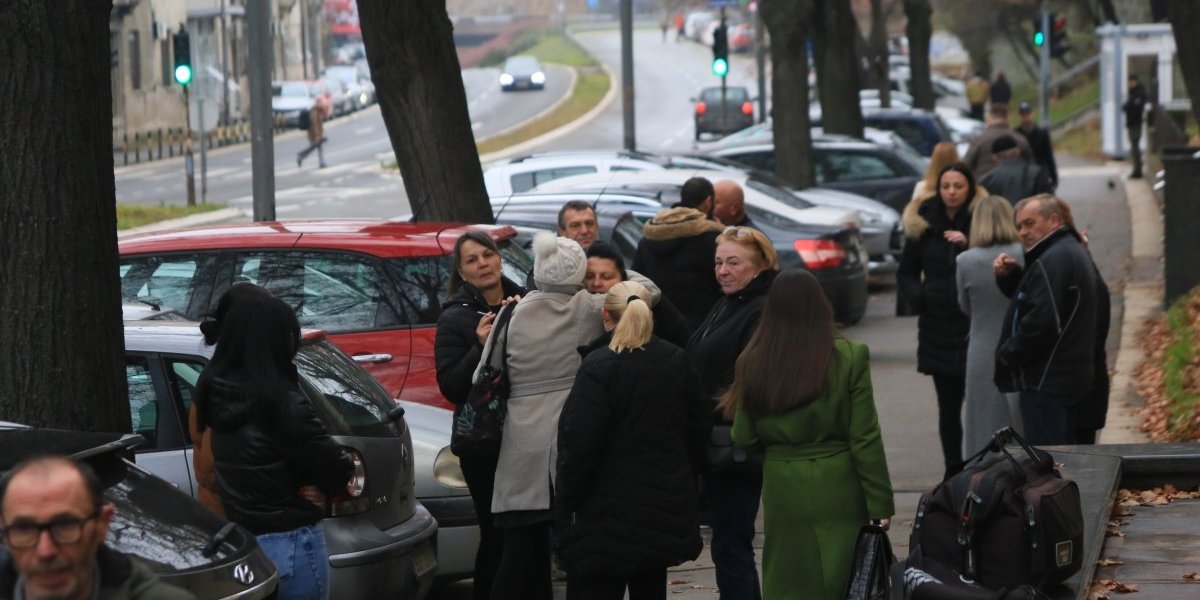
[[1014, 177], [1039, 142], [1135, 109], [1047, 344], [678, 250]]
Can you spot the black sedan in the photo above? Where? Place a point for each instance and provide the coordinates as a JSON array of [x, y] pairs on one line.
[[723, 112]]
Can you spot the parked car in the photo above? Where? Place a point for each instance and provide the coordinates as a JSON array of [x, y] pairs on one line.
[[380, 539], [522, 73], [375, 287], [357, 92], [724, 112], [834, 254], [342, 97], [183, 542], [850, 165], [290, 98], [923, 130]]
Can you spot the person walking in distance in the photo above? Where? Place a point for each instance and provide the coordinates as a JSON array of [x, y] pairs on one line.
[[985, 408], [819, 428], [478, 289], [1039, 142], [630, 449], [978, 91], [1135, 111], [316, 131], [1000, 91], [926, 278], [1014, 177]]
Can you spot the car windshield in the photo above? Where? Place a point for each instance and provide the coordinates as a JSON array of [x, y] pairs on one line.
[[291, 90], [521, 65], [347, 398], [732, 94]]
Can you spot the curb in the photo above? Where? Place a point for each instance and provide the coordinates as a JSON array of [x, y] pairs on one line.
[[215, 216], [1143, 300]]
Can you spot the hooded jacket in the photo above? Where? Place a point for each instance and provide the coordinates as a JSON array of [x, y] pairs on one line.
[[456, 349], [630, 444], [926, 281], [677, 254], [263, 455], [1048, 341]]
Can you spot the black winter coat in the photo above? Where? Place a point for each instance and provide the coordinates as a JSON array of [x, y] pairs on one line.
[[715, 347], [630, 444], [1016, 179], [669, 323], [1135, 106], [261, 468], [1048, 343], [926, 280], [456, 349], [677, 255], [1043, 151]]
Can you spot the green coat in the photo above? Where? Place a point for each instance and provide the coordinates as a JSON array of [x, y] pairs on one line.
[[824, 477]]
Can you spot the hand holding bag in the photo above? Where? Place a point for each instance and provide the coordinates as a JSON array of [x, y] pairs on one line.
[[479, 422], [871, 566]]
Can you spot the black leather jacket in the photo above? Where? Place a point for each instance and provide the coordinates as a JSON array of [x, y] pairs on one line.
[[264, 455]]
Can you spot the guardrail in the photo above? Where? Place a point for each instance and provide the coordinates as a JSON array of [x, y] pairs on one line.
[[146, 146]]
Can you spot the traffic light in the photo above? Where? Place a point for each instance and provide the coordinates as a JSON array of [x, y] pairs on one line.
[[720, 48], [1058, 36], [1039, 37], [183, 58]]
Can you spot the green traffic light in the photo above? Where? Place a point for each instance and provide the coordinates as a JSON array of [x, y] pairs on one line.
[[1039, 38], [183, 74], [720, 67]]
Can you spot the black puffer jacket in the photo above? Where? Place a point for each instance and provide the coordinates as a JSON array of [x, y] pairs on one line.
[[926, 280], [630, 441], [1048, 343], [677, 255], [715, 347], [456, 349], [260, 469]]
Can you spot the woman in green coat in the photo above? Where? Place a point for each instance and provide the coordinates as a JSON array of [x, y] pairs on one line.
[[825, 473]]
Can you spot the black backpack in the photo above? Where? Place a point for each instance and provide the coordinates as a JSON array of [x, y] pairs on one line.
[[1003, 521], [305, 120]]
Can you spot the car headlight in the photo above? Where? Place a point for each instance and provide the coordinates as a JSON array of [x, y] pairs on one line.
[[506, 79], [447, 471], [538, 78]]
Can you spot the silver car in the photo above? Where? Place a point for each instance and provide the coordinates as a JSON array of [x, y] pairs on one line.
[[382, 542]]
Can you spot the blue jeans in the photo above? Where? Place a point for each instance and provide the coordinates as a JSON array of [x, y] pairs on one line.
[[1047, 419], [734, 498], [302, 560]]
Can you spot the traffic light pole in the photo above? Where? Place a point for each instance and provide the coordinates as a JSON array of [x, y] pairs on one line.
[[760, 58], [724, 107], [262, 144], [1044, 60], [189, 165], [627, 73]]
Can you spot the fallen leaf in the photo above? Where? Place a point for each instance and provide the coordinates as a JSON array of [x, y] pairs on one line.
[[1108, 562], [1193, 576], [676, 582]]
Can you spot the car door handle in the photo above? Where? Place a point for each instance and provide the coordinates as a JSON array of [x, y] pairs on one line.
[[372, 358]]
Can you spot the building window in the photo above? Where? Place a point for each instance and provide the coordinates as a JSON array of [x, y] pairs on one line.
[[135, 61], [167, 59]]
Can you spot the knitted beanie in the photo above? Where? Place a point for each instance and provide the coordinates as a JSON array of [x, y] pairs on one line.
[[558, 260]]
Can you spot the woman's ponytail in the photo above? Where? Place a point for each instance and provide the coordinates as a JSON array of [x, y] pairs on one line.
[[625, 302]]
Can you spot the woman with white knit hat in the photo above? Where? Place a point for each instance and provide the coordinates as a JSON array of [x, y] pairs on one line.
[[546, 329]]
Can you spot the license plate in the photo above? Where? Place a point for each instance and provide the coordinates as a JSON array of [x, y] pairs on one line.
[[424, 560]]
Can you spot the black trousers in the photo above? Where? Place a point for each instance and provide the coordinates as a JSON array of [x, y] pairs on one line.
[[950, 392], [651, 585], [480, 474], [524, 571]]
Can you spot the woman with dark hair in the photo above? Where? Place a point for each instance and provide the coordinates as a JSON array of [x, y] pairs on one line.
[[478, 289], [606, 268], [274, 461], [937, 234], [745, 265], [630, 445], [820, 430]]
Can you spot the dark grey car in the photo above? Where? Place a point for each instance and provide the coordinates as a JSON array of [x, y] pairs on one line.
[[180, 540], [382, 543]]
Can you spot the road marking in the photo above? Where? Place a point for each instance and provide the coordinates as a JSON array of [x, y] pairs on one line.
[[364, 130]]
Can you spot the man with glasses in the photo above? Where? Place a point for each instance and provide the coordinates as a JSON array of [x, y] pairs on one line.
[[53, 523]]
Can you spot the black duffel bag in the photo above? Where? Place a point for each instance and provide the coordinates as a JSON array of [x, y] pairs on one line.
[[1004, 521]]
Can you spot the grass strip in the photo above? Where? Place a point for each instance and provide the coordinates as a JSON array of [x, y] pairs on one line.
[[136, 215], [1178, 384]]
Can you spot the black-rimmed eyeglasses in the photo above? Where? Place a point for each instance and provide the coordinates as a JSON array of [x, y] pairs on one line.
[[65, 530]]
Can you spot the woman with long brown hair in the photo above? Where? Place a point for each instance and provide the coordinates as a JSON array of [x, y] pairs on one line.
[[943, 155], [825, 473]]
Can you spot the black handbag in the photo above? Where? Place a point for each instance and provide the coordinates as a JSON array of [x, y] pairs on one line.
[[870, 571], [724, 457], [479, 422]]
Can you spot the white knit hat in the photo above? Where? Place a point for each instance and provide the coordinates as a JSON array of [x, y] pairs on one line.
[[558, 260]]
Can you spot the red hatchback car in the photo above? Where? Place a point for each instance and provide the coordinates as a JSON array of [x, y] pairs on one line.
[[375, 287]]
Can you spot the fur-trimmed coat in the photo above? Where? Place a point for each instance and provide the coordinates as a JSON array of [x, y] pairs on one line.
[[677, 254]]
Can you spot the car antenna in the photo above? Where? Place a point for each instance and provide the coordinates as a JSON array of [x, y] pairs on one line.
[[502, 207]]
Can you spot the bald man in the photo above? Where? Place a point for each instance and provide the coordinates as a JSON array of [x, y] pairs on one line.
[[729, 204], [54, 523]]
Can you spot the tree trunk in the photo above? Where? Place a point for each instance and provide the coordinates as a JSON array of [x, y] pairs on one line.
[[837, 67], [410, 49], [1184, 16], [787, 23], [62, 357], [919, 29], [879, 53]]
